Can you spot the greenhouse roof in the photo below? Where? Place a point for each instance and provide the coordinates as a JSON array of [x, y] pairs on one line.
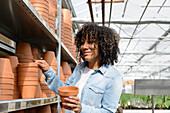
[[144, 27]]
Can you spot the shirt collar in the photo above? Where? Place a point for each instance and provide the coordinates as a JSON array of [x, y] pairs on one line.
[[102, 69]]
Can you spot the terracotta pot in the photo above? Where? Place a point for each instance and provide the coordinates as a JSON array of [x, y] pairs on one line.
[[28, 78], [44, 109], [30, 74], [24, 50], [4, 92], [28, 65], [14, 62], [67, 16], [36, 53], [16, 97], [66, 91], [16, 92], [46, 93], [6, 97], [62, 77], [24, 60], [32, 70], [66, 68], [28, 83], [6, 81], [38, 93], [49, 57], [6, 75], [5, 65], [6, 86], [27, 91]]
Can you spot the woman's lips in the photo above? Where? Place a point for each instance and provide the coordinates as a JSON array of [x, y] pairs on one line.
[[86, 53]]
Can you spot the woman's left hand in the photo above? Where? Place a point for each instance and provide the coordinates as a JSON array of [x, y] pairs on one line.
[[73, 103]]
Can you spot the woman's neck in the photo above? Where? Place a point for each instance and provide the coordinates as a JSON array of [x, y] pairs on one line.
[[93, 65]]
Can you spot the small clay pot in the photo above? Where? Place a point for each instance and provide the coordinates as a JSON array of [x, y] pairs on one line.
[[66, 91], [5, 65], [49, 57], [24, 50], [36, 53], [14, 63]]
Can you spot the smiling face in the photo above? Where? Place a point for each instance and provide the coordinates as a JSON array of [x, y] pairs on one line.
[[89, 50]]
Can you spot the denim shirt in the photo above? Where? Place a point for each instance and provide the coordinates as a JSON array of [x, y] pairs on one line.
[[100, 94]]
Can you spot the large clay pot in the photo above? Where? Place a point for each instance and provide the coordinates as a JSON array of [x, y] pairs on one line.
[[38, 92], [66, 91], [6, 97]]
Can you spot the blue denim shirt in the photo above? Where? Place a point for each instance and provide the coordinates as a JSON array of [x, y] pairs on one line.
[[100, 94]]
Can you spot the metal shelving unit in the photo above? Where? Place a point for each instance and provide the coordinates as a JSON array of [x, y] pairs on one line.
[[19, 104], [20, 22]]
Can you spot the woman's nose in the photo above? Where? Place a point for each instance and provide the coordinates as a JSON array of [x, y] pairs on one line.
[[85, 45]]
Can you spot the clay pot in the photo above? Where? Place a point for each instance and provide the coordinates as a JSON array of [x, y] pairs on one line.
[[53, 94], [28, 91], [67, 16], [6, 81], [66, 91], [24, 51], [6, 97], [28, 83], [5, 65], [8, 92], [49, 57], [62, 77], [36, 53], [66, 68], [6, 86], [14, 63], [28, 70], [28, 78], [38, 92], [26, 65], [6, 75]]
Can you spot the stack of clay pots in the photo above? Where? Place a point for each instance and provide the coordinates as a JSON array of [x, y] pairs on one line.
[[52, 13], [67, 28], [62, 26], [6, 80], [14, 64], [42, 6], [24, 53], [37, 56], [28, 79], [49, 57], [66, 70]]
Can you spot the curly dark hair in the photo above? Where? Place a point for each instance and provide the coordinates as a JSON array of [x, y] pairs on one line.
[[106, 38]]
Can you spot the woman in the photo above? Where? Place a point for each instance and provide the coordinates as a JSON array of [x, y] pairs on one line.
[[100, 84]]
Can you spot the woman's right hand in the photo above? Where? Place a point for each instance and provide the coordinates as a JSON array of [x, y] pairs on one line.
[[42, 64]]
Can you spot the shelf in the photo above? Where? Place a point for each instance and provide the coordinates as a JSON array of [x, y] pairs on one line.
[[19, 104], [22, 23]]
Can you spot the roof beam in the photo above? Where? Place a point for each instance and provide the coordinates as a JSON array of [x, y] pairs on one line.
[[91, 10], [103, 12], [124, 21]]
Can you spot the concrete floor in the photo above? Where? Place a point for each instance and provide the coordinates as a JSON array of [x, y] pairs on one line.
[[146, 111]]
